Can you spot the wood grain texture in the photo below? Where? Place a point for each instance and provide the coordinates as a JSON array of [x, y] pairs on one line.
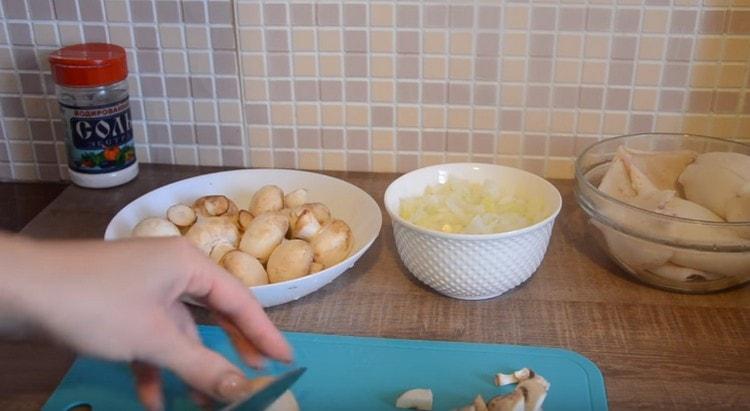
[[656, 349]]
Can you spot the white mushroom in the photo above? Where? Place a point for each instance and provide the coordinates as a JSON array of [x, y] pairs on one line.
[[512, 378], [534, 392], [295, 198], [263, 234], [268, 198], [215, 206], [319, 210], [332, 243], [513, 401], [219, 251], [315, 267], [210, 232], [244, 218], [305, 225], [290, 260], [181, 215], [245, 267], [155, 227], [419, 398]]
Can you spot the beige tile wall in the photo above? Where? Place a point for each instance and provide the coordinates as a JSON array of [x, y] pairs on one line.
[[382, 85]]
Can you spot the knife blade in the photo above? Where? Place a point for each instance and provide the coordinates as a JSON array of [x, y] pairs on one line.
[[259, 400]]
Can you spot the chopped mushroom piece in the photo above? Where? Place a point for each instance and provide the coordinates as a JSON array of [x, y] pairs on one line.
[[286, 402], [155, 227], [514, 401], [181, 215], [534, 392], [477, 405], [505, 379], [419, 398]]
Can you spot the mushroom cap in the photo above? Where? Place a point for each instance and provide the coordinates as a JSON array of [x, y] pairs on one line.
[[155, 227], [263, 234], [304, 225], [319, 210], [268, 198], [245, 267], [216, 207], [290, 260], [295, 198], [244, 218], [332, 243], [207, 233], [219, 251]]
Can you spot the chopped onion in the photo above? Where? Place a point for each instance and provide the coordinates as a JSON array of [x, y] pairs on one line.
[[461, 206]]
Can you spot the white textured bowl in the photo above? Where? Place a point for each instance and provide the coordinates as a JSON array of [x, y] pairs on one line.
[[472, 266], [346, 202]]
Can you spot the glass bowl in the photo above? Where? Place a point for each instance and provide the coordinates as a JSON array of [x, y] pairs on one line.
[[665, 251]]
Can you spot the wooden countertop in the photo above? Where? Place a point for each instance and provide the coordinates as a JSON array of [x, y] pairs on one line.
[[656, 349]]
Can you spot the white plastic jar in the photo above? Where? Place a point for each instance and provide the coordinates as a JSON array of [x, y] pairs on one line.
[[92, 89]]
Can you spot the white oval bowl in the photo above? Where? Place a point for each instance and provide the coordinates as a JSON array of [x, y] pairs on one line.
[[346, 202], [472, 266]]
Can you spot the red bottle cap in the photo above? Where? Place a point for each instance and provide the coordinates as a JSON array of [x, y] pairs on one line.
[[89, 64]]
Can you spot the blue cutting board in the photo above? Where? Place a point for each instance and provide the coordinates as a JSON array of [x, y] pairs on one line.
[[348, 373]]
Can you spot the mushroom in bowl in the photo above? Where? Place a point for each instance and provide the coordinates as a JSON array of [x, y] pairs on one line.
[[245, 243], [472, 261]]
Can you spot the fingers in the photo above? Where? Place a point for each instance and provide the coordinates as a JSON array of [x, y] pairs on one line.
[[197, 366], [245, 349], [148, 385], [226, 295]]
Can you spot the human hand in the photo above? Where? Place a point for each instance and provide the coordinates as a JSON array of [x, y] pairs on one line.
[[121, 301]]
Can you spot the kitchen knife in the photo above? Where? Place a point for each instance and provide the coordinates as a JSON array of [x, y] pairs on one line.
[[259, 400]]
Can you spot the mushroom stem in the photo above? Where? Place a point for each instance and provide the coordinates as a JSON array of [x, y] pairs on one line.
[[519, 375]]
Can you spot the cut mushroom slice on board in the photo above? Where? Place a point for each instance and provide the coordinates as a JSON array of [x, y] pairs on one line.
[[515, 401], [477, 405], [516, 376], [534, 392], [418, 398]]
